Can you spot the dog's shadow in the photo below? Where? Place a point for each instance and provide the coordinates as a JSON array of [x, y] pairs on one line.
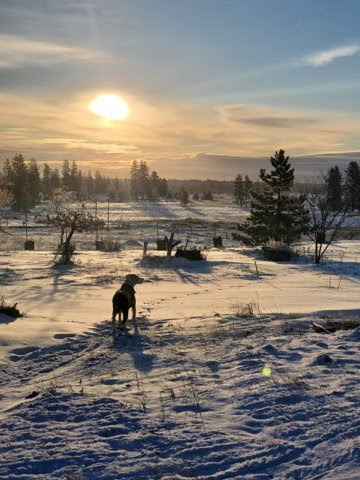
[[137, 345]]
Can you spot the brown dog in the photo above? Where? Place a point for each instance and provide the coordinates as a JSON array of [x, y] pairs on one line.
[[124, 298]]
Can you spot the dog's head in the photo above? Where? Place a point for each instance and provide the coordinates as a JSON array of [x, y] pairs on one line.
[[133, 279]]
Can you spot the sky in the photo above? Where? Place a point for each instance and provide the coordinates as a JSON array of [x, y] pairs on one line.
[[213, 87]]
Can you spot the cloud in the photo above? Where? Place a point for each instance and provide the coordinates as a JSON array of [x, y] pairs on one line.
[[266, 117], [326, 56], [54, 127], [16, 51]]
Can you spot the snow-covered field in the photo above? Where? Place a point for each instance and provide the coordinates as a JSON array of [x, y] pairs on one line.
[[197, 389], [134, 220]]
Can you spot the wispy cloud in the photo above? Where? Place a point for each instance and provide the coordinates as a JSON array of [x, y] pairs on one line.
[[16, 51], [326, 56]]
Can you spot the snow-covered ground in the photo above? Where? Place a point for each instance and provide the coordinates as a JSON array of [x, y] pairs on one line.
[[197, 389], [134, 220]]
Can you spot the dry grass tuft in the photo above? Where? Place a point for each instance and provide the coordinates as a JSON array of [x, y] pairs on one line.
[[244, 309]]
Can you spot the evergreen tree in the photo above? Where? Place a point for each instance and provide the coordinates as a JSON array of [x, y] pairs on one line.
[[352, 186], [207, 195], [275, 213], [55, 180], [143, 180], [16, 182], [66, 175], [239, 191], [155, 185], [74, 179], [334, 187], [34, 182], [98, 183], [114, 192], [183, 196], [134, 181], [90, 186], [163, 188], [47, 181]]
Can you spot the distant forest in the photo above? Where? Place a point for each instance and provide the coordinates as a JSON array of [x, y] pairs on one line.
[[24, 184]]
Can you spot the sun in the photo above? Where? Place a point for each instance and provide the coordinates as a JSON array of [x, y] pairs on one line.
[[109, 106]]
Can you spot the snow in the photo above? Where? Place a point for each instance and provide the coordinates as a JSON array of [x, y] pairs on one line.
[[182, 394]]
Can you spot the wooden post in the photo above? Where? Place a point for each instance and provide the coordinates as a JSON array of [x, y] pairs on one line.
[[108, 215], [26, 227], [256, 267], [96, 230]]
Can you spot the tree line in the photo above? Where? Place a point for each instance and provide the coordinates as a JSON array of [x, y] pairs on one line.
[[25, 184], [146, 185], [344, 189]]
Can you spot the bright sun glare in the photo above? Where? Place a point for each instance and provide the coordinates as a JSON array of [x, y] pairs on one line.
[[109, 106]]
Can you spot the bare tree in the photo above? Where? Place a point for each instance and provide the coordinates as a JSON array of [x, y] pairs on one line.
[[68, 218], [326, 219]]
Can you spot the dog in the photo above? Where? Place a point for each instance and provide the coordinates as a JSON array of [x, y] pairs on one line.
[[124, 299]]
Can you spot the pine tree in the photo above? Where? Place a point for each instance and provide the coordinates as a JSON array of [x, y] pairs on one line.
[[163, 188], [74, 179], [134, 181], [155, 185], [34, 182], [46, 181], [98, 183], [239, 191], [184, 197], [352, 186], [275, 215], [143, 180], [66, 175], [16, 182], [334, 187], [55, 180], [89, 181]]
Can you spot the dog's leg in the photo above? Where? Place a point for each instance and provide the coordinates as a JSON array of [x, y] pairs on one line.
[[134, 309], [113, 318], [125, 316]]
